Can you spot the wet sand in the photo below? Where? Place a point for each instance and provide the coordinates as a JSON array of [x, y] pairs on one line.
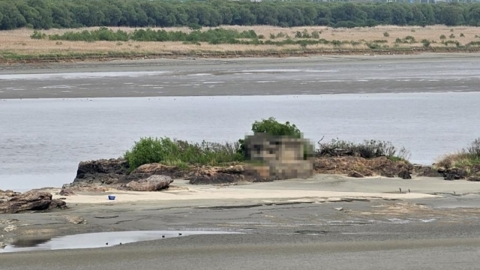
[[246, 76], [338, 232]]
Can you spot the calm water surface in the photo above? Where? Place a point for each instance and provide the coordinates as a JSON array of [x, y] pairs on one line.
[[42, 140]]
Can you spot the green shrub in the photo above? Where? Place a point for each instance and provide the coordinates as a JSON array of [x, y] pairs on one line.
[[37, 35], [462, 35], [373, 46], [367, 149], [180, 153], [410, 39], [426, 43], [386, 34], [272, 127], [315, 34], [443, 37], [452, 36]]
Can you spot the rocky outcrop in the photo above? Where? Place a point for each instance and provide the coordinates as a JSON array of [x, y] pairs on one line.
[[427, 171], [103, 171], [15, 202], [152, 183], [148, 170], [405, 174], [213, 175], [357, 165], [455, 174]]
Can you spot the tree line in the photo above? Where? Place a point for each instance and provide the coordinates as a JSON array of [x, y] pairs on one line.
[[45, 14]]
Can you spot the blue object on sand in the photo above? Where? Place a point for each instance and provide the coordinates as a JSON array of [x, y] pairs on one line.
[[111, 197]]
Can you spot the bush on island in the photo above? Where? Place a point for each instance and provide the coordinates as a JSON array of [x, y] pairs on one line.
[[180, 153]]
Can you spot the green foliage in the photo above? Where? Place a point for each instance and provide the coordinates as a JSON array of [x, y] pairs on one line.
[[452, 36], [212, 36], [367, 149], [462, 35], [443, 37], [180, 153], [315, 34], [38, 35], [426, 43], [44, 14], [272, 127], [410, 39], [386, 34]]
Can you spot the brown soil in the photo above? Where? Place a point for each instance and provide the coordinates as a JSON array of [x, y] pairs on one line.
[[17, 46]]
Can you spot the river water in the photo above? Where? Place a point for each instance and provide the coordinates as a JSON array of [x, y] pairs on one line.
[[54, 116], [43, 140]]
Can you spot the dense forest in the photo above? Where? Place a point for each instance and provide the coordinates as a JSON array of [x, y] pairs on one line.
[[44, 14]]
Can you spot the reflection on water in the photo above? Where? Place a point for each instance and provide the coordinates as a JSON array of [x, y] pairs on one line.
[[98, 240], [29, 242], [42, 141]]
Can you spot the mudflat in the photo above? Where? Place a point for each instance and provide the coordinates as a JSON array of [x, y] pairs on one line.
[[243, 76], [351, 224]]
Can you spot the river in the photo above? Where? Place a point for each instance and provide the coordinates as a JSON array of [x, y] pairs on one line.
[[44, 137]]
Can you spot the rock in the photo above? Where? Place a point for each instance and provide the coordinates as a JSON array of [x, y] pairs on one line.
[[148, 170], [474, 178], [57, 203], [76, 220], [237, 169], [454, 174], [28, 201], [10, 228], [84, 187], [215, 178], [355, 174], [339, 208], [66, 192], [405, 175], [152, 183], [103, 171], [216, 175], [427, 171], [2, 245], [441, 170]]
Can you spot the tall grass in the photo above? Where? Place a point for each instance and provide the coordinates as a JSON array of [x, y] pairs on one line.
[[467, 158], [180, 153], [366, 149]]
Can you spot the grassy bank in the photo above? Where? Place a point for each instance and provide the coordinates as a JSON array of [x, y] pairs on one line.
[[466, 162], [232, 41]]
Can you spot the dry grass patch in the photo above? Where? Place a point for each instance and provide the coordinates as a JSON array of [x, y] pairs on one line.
[[19, 41]]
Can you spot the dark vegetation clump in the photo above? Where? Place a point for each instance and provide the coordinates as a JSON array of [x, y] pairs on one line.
[[367, 149]]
